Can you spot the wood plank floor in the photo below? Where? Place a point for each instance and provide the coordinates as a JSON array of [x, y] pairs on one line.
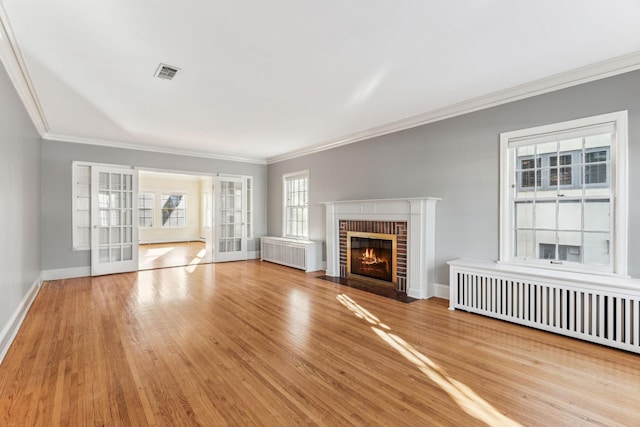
[[163, 255], [251, 343]]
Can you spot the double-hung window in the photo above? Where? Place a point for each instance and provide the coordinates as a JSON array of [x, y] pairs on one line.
[[564, 195], [145, 210], [296, 205]]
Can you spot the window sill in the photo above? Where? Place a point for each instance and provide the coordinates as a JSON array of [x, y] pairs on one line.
[[582, 277]]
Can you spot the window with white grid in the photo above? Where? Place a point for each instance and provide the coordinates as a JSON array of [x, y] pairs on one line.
[[296, 205], [145, 210], [564, 195]]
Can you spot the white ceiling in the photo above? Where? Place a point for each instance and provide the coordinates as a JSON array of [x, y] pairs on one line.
[[260, 79]]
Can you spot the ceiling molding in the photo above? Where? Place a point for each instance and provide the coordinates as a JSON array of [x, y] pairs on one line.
[[597, 71], [16, 69], [156, 149]]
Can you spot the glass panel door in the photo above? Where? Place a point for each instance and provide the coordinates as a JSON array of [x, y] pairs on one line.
[[114, 231], [230, 220]]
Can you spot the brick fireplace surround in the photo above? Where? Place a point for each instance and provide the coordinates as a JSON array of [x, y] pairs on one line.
[[397, 228], [411, 219]]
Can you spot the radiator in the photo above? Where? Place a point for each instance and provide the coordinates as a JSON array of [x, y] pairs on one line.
[[303, 254], [600, 309]]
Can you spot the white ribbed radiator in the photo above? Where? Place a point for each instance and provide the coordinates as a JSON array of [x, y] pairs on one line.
[[600, 309], [303, 254]]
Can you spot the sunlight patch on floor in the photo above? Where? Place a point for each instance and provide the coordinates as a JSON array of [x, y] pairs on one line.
[[464, 396], [194, 262], [158, 252]]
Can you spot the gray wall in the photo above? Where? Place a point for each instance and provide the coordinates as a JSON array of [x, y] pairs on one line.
[[458, 160], [57, 158], [20, 195]]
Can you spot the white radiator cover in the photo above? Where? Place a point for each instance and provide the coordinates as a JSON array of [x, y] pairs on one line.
[[303, 254], [600, 309]]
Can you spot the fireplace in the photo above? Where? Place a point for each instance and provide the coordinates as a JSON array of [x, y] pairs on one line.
[[372, 256], [411, 220]]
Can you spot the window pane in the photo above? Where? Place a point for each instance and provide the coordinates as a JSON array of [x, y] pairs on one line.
[[595, 174], [568, 241], [116, 254], [103, 254], [596, 215], [115, 217], [547, 251], [597, 248], [103, 199], [103, 217], [127, 252], [115, 235], [524, 214], [116, 181], [127, 217], [525, 244], [103, 236], [546, 244], [570, 253], [115, 200], [570, 215], [127, 182], [545, 214], [127, 235], [103, 179]]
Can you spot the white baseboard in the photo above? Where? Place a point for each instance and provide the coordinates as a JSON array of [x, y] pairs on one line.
[[162, 241], [442, 291], [10, 330], [66, 273], [253, 255]]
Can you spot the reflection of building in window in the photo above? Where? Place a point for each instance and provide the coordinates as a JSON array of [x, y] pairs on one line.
[[565, 252], [173, 210], [544, 172], [558, 191], [145, 210]]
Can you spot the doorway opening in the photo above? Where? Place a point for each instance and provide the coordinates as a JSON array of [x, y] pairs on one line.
[[175, 219], [187, 219]]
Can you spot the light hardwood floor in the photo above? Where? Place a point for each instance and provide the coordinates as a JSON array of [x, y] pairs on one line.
[[162, 255], [251, 343]]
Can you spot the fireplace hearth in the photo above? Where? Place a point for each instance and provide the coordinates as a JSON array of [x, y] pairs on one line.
[[372, 256]]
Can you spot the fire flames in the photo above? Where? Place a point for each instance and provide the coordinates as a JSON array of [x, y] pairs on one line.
[[369, 257]]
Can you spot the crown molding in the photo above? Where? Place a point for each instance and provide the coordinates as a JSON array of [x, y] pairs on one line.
[[11, 57], [152, 148], [13, 61], [597, 71]]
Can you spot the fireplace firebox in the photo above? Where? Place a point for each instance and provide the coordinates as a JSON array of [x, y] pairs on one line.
[[372, 256]]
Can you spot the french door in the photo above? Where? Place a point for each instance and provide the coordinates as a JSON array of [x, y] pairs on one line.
[[114, 220], [230, 234]]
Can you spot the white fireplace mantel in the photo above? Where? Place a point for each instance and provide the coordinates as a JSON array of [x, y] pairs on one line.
[[420, 215]]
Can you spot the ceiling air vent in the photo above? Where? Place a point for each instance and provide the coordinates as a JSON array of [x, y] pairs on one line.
[[166, 72]]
